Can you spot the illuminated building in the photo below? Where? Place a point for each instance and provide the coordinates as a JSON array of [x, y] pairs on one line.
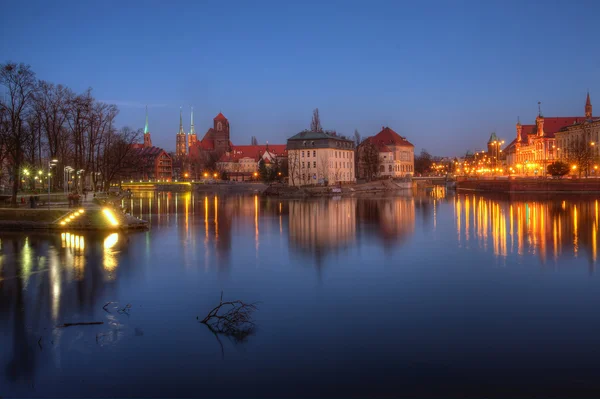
[[396, 154], [535, 145], [320, 157]]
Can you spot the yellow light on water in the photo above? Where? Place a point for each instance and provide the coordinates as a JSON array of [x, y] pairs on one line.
[[111, 240], [110, 217]]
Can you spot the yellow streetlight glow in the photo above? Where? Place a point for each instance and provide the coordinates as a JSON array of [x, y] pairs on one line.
[[574, 167], [205, 174], [215, 175]]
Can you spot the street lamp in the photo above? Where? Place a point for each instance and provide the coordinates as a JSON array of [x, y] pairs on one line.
[[50, 165]]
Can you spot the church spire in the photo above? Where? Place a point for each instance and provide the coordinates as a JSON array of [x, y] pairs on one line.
[[181, 131], [192, 130], [146, 127], [588, 106]]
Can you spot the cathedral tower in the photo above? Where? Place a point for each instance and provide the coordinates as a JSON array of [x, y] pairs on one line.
[[192, 138], [147, 138], [180, 146], [588, 107], [221, 128]]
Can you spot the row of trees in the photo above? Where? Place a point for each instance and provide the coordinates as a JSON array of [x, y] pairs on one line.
[[41, 121]]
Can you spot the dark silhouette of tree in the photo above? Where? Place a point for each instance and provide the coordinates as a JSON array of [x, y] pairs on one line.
[[357, 137], [558, 168], [581, 154], [315, 125], [368, 159], [19, 80], [423, 162], [262, 170]]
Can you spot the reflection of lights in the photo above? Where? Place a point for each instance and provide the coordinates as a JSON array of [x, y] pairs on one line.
[[110, 217], [111, 240], [110, 260]]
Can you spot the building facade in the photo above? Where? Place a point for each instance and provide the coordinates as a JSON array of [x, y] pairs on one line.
[[320, 158], [534, 147], [242, 161], [396, 154]]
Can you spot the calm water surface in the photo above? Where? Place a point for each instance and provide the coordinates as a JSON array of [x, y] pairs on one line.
[[460, 295]]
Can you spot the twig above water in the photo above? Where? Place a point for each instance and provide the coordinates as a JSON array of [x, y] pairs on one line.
[[232, 319], [87, 323]]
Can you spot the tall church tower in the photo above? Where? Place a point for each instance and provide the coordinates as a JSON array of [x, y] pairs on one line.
[[180, 146], [588, 107], [147, 138], [221, 129], [192, 138]]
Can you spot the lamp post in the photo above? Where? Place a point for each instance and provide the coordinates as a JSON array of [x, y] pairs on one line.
[[50, 165], [66, 175]]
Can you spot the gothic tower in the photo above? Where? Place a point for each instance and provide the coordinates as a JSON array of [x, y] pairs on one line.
[[147, 138], [588, 107], [192, 138], [221, 128], [519, 130], [180, 147]]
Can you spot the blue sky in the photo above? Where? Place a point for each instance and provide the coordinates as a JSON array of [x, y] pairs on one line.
[[445, 74]]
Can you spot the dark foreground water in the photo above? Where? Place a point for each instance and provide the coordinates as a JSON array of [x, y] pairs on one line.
[[453, 295]]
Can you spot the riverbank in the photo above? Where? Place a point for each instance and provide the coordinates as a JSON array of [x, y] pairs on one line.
[[379, 187], [530, 185], [74, 219]]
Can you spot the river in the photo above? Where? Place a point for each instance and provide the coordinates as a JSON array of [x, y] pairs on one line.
[[436, 294]]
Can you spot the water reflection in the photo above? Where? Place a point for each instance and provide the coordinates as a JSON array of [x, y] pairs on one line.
[[547, 228], [49, 279]]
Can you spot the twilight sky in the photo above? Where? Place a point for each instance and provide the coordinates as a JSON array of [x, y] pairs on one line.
[[445, 74]]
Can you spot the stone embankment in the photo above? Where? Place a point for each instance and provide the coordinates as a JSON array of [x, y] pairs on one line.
[[530, 185]]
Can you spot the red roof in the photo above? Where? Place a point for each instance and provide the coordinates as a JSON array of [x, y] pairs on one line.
[[206, 144], [553, 125], [220, 117], [253, 151], [389, 137]]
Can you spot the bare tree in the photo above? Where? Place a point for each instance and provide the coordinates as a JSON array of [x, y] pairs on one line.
[[323, 168], [294, 166], [368, 160], [118, 155], [20, 82], [580, 152], [357, 137], [315, 125]]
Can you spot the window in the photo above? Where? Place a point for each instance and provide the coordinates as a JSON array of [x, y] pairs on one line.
[[302, 163], [314, 153], [308, 164], [314, 164], [381, 168], [302, 154], [308, 154], [390, 168]]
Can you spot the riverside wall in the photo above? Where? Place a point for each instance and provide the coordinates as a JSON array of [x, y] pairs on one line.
[[532, 185]]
